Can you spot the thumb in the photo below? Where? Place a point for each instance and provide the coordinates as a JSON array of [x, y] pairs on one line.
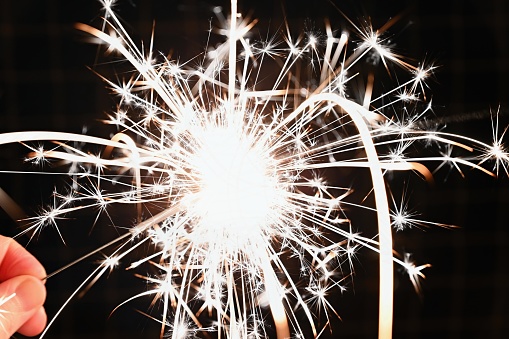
[[21, 298]]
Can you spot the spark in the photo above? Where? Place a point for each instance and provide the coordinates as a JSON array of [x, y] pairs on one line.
[[497, 151], [414, 272], [228, 176]]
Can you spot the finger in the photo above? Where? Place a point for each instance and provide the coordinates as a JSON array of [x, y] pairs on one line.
[[34, 325], [20, 299], [15, 260]]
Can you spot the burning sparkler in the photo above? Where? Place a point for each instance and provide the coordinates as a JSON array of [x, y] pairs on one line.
[[225, 176]]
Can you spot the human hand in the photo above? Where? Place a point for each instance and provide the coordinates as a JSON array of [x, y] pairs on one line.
[[22, 292]]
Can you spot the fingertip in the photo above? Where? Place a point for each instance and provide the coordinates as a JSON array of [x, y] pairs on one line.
[[23, 297], [15, 260], [36, 324], [31, 293]]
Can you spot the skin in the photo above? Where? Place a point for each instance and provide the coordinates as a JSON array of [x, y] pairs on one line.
[[22, 291]]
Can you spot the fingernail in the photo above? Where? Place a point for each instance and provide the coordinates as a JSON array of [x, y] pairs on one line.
[[30, 294]]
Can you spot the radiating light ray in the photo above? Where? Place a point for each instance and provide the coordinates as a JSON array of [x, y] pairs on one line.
[[235, 211]]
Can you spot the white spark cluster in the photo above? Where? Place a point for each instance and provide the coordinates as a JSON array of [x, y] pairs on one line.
[[226, 175]]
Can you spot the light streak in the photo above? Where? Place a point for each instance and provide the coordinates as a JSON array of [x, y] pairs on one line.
[[4, 300], [224, 173]]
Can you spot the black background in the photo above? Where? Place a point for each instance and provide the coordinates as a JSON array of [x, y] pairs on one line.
[[45, 85]]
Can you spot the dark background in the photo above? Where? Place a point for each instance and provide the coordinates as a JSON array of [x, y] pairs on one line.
[[45, 85]]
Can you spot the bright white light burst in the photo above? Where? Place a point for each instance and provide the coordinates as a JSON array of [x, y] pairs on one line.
[[227, 175]]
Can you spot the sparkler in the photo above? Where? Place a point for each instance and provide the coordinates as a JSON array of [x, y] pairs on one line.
[[225, 174]]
